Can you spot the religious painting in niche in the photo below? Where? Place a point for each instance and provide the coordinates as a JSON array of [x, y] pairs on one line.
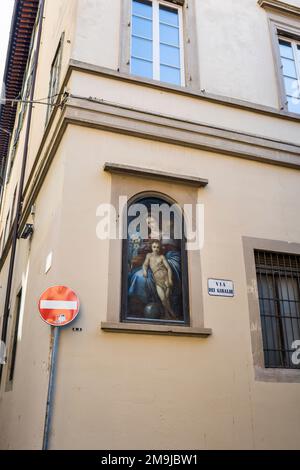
[[154, 264]]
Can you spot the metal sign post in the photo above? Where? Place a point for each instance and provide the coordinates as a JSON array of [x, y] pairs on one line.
[[51, 386], [58, 306]]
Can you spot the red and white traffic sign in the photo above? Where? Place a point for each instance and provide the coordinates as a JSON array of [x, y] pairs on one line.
[[59, 306]]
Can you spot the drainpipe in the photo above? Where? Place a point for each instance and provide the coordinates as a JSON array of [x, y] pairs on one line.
[[21, 186]]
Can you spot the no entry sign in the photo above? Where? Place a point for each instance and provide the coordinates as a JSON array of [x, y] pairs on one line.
[[58, 306]]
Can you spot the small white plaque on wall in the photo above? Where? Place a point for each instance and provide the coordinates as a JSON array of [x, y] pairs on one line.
[[220, 288]]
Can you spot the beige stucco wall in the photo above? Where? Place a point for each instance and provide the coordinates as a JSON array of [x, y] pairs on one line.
[[233, 62], [183, 107], [59, 17], [17, 416], [97, 37], [136, 391], [234, 45], [234, 42]]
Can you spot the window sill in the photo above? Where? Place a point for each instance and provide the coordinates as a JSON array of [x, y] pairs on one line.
[[263, 374], [155, 329]]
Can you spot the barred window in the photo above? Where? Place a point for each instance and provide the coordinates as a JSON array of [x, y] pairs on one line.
[[278, 279]]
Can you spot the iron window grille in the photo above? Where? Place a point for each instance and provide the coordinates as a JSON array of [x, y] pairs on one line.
[[278, 280]]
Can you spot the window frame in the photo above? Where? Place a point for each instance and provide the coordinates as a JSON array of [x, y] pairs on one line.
[[136, 199], [295, 43], [14, 340], [143, 184], [6, 229], [262, 373], [190, 53], [286, 28], [156, 51], [275, 276], [57, 58]]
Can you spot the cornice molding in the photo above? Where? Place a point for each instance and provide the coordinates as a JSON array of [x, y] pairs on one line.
[[83, 67], [151, 126], [279, 6], [163, 128], [157, 174], [140, 123]]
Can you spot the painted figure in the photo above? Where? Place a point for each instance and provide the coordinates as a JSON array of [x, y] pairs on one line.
[[162, 274], [154, 269]]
